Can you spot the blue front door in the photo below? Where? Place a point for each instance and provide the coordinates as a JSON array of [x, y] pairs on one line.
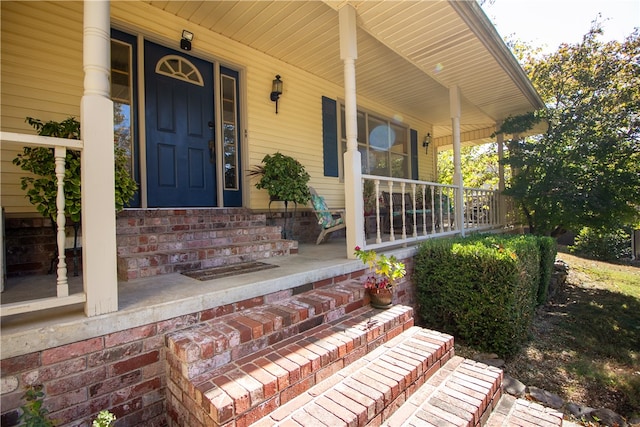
[[180, 145]]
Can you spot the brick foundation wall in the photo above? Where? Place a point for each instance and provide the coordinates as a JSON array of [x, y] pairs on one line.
[[123, 371], [303, 227], [30, 246]]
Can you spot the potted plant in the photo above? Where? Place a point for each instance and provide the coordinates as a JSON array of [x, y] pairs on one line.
[[284, 178], [382, 276]]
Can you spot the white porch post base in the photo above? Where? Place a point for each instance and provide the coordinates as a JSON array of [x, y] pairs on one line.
[[99, 258], [354, 211]]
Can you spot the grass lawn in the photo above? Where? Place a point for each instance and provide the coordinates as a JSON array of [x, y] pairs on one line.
[[585, 342]]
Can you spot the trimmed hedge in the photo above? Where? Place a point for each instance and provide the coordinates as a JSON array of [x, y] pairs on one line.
[[482, 289]]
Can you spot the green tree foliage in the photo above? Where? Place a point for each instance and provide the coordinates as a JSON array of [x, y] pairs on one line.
[[605, 245], [585, 169], [479, 165], [41, 185]]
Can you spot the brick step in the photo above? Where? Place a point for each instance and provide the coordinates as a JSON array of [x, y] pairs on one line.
[[236, 368], [169, 225], [370, 389], [462, 393], [137, 228], [151, 216], [131, 245], [512, 411], [162, 241], [233, 336], [175, 261]]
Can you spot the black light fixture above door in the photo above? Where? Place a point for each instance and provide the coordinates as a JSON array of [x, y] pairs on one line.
[[276, 90], [185, 42], [426, 142]]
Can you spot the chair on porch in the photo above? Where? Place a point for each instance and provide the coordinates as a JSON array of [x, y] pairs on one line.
[[329, 220]]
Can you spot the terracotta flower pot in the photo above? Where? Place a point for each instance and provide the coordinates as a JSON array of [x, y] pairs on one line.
[[380, 298]]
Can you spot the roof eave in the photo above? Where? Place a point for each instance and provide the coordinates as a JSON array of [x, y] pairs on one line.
[[479, 23]]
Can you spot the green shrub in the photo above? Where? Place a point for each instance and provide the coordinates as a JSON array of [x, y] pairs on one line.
[[35, 415], [602, 244], [548, 252], [42, 184], [482, 290]]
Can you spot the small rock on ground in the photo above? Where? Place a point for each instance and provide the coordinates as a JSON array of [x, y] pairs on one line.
[[606, 417], [545, 398], [513, 386]]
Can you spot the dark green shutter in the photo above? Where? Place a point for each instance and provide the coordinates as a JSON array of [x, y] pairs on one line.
[[330, 136], [414, 154]]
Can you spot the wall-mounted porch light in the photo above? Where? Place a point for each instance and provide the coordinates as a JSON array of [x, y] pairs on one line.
[[426, 142], [185, 42], [276, 90]]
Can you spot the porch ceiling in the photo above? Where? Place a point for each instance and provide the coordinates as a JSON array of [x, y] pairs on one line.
[[409, 52]]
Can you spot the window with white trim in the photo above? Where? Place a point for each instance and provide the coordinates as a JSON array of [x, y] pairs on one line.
[[122, 97], [383, 145]]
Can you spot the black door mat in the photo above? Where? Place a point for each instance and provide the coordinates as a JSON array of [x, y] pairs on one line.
[[228, 270]]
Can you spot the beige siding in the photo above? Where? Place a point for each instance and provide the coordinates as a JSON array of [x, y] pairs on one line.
[[48, 85], [41, 77]]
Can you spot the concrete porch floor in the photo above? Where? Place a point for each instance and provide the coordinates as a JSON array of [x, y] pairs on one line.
[[159, 298]]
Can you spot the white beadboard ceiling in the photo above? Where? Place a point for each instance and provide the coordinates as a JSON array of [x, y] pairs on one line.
[[409, 52]]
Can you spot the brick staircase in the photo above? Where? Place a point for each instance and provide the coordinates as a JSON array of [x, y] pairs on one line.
[[326, 358], [162, 241]]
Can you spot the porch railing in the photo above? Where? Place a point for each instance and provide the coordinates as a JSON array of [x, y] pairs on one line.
[[399, 211], [60, 147]]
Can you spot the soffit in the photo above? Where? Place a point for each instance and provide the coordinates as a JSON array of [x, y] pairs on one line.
[[409, 52]]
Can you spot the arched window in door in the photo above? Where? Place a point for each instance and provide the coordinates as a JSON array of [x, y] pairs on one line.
[[179, 68]]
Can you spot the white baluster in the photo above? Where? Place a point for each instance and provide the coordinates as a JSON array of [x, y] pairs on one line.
[[414, 206], [424, 209], [433, 210], [392, 236], [404, 213], [62, 284], [440, 218], [376, 184]]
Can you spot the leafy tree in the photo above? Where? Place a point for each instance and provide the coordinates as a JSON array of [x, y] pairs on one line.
[[479, 165], [42, 186], [585, 169]]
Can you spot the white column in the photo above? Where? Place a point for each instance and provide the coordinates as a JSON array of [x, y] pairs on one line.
[[454, 108], [98, 195], [502, 211], [354, 205]]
